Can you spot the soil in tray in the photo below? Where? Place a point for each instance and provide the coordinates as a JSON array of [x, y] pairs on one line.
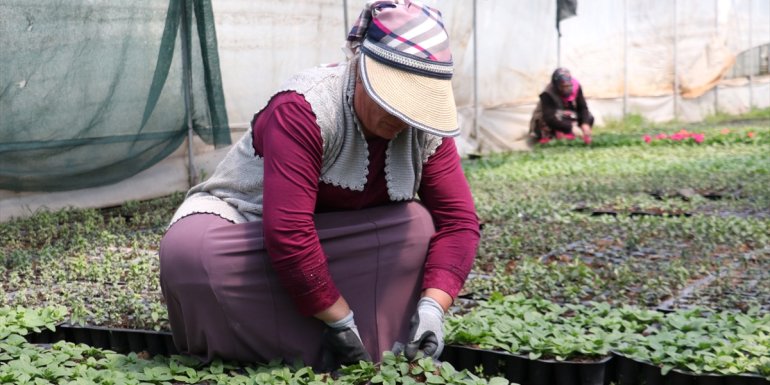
[[640, 264], [718, 303], [599, 252], [687, 194], [632, 211], [741, 288]]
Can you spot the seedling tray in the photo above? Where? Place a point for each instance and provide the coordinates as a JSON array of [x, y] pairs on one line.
[[616, 369], [522, 370], [115, 339], [629, 371], [739, 286]]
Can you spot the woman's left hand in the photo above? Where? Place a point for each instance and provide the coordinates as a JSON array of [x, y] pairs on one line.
[[427, 333]]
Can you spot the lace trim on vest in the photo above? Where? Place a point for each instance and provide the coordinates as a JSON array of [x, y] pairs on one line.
[[234, 191]]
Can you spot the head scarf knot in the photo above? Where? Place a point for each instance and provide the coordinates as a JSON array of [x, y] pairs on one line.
[[358, 31]]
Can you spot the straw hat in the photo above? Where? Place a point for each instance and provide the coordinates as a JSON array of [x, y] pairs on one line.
[[406, 65]]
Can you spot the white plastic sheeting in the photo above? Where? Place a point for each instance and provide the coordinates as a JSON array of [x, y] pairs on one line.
[[518, 53], [261, 43]]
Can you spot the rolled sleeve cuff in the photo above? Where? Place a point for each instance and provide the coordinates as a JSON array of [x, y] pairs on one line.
[[445, 280], [316, 301]]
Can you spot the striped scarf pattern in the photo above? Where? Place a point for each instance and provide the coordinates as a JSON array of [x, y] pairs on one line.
[[418, 32]]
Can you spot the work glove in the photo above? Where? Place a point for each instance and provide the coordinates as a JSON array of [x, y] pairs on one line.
[[342, 344], [427, 334]]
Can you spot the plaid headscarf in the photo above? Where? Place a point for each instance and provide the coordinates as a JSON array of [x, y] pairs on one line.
[[358, 31], [406, 64], [393, 34]]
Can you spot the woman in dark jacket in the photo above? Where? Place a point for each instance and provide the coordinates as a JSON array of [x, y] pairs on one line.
[[562, 110]]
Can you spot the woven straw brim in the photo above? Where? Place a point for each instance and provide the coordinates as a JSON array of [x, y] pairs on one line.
[[423, 102]]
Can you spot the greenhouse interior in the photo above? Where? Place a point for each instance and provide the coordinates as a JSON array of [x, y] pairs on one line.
[[632, 248]]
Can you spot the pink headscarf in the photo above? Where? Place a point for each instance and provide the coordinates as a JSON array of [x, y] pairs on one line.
[[561, 76], [573, 95]]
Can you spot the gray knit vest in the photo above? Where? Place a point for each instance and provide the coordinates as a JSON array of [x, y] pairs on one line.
[[234, 190]]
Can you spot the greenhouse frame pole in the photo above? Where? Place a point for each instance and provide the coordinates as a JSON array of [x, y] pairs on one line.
[[751, 57], [676, 64], [345, 16], [625, 58], [192, 174], [475, 82], [716, 33]]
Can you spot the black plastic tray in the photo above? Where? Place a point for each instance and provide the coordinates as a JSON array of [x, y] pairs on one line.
[[520, 369], [616, 369], [629, 371], [115, 339]]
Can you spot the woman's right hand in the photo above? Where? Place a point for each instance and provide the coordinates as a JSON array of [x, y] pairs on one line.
[[342, 344], [586, 133]]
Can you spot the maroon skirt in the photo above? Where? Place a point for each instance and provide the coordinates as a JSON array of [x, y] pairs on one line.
[[225, 301]]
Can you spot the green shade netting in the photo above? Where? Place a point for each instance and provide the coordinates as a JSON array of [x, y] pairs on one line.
[[92, 91]]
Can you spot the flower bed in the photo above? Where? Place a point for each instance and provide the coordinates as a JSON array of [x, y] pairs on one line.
[[725, 136]]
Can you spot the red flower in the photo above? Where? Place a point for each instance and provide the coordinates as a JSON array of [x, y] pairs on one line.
[[647, 139], [699, 138], [661, 136], [750, 134], [544, 140]]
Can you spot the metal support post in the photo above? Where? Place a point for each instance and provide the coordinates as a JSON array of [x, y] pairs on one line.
[[716, 34], [192, 174], [475, 81], [625, 58], [752, 59], [345, 17], [676, 62]]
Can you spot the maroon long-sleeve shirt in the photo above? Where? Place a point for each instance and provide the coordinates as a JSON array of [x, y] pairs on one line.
[[287, 136]]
